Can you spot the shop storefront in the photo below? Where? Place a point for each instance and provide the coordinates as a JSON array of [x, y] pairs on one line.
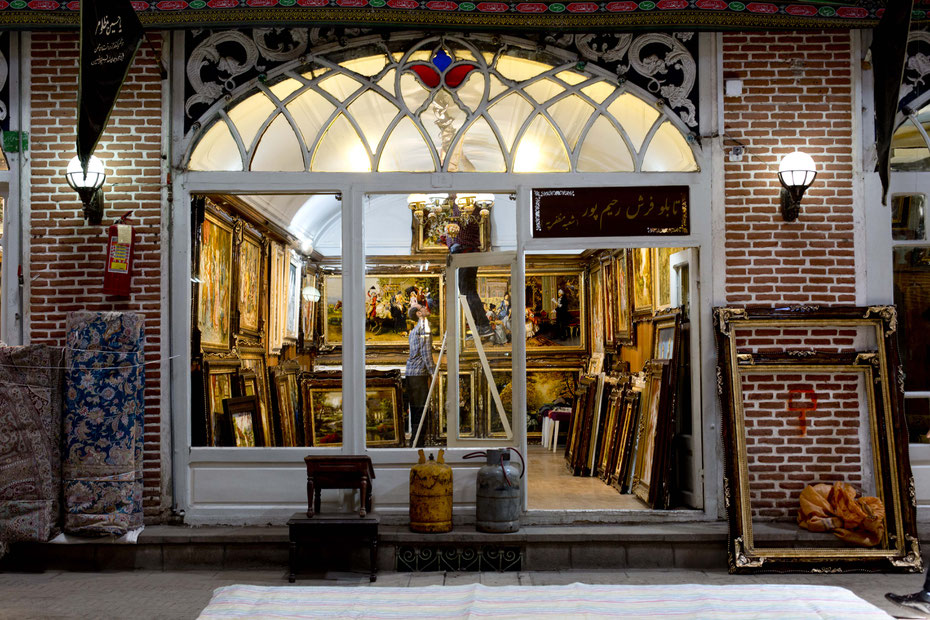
[[292, 187]]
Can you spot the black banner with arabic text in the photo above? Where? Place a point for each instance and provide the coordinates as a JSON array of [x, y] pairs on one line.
[[110, 35], [610, 212]]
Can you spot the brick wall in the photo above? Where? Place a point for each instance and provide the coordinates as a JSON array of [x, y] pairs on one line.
[[796, 96], [784, 454], [67, 256]]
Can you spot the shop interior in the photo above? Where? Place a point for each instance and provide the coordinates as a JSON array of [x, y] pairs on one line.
[[608, 406]]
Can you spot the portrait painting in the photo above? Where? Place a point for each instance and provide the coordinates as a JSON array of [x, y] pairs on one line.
[[662, 281], [623, 333], [277, 291], [293, 298], [642, 280], [250, 277], [215, 295]]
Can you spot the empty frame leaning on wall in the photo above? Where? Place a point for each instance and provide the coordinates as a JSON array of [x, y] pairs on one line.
[[813, 396]]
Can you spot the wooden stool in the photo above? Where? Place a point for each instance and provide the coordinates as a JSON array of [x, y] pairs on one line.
[[327, 529], [339, 472]]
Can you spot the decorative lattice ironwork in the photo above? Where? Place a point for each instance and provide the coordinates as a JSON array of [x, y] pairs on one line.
[[458, 559]]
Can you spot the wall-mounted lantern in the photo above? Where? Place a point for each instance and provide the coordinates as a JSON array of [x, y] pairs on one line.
[[88, 186], [796, 173]]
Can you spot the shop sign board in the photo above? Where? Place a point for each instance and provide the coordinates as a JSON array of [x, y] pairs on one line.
[[611, 212]]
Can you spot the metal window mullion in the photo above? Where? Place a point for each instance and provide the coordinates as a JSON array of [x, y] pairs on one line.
[[290, 119], [237, 138], [353, 322]]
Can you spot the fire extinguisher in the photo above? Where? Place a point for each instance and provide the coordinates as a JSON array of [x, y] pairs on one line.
[[117, 277]]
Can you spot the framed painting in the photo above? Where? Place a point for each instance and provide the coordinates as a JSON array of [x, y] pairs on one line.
[[277, 297], [243, 422], [613, 388], [387, 302], [309, 304], [467, 403], [662, 279], [546, 328], [544, 386], [656, 426], [322, 399], [597, 309], [214, 307], [219, 384], [844, 398], [249, 279], [666, 336], [253, 358], [426, 233], [624, 333], [642, 281], [610, 318], [293, 393], [285, 416], [292, 310], [624, 450], [575, 444], [384, 403]]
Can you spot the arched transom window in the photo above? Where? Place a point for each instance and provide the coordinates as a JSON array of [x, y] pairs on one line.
[[445, 104]]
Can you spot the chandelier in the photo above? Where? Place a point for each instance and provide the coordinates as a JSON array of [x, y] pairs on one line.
[[455, 206]]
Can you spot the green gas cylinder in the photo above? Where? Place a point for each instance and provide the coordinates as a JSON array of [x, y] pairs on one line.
[[431, 495]]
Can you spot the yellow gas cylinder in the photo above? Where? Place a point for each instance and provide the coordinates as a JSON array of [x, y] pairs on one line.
[[431, 495]]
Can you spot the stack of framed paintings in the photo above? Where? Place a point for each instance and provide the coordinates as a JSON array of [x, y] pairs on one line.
[[288, 422], [253, 359], [219, 378]]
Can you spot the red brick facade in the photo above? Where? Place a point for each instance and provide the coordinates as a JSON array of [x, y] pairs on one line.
[[797, 95], [67, 255]]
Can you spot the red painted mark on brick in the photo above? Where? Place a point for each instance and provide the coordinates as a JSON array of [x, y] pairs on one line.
[[802, 401]]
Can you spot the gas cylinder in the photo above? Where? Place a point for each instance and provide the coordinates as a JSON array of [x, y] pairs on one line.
[[499, 496], [431, 495]]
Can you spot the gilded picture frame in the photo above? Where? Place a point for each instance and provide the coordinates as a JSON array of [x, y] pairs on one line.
[[426, 234], [623, 458], [641, 278], [878, 429], [610, 300], [277, 297], [250, 260], [243, 422], [596, 279], [542, 329], [386, 307], [253, 358], [655, 435], [468, 404], [544, 385], [624, 333], [215, 273], [292, 288], [219, 384], [661, 278]]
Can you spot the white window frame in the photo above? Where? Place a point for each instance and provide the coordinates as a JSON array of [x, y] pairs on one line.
[[243, 485]]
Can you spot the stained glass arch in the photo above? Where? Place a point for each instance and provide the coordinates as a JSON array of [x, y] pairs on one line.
[[443, 104]]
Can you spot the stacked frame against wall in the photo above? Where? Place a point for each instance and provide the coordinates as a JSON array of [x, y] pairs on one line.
[[623, 425], [829, 411], [247, 309]]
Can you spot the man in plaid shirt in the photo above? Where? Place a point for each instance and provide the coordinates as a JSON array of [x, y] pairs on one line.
[[420, 365]]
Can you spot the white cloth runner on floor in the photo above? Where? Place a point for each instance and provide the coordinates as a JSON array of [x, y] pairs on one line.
[[578, 600]]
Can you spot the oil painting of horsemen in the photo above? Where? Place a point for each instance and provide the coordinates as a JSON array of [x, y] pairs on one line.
[[388, 301]]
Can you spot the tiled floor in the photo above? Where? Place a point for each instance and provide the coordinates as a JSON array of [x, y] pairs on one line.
[[144, 595], [552, 487]]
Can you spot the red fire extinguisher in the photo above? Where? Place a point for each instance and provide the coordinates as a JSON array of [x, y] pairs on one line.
[[117, 277]]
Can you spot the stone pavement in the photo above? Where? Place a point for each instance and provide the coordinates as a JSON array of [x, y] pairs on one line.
[[183, 594]]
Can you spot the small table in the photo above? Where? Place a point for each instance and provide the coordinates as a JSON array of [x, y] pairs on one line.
[[339, 472], [324, 529]]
